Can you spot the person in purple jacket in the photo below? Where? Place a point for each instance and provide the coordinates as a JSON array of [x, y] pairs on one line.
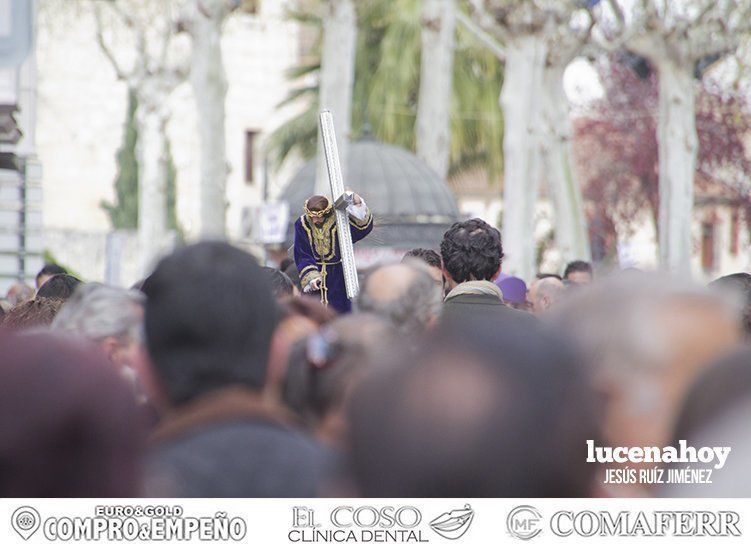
[[316, 248]]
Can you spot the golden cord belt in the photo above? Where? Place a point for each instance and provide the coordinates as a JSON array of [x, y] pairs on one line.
[[324, 287]]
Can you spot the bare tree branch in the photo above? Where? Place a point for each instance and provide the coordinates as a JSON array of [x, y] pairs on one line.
[[619, 16], [143, 53], [587, 34], [652, 17], [171, 28], [484, 37], [125, 17], [121, 74], [485, 20], [705, 11], [621, 35]]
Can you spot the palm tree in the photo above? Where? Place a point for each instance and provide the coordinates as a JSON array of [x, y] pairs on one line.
[[386, 88]]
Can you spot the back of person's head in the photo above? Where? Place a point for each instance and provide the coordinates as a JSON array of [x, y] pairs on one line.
[[471, 250], [322, 374], [290, 269], [309, 308], [738, 285], [299, 318], [647, 337], [208, 321], [97, 311], [69, 423], [730, 430], [428, 256], [514, 291], [714, 392], [545, 293], [281, 285], [403, 294], [478, 412], [47, 271], [18, 293], [37, 313], [573, 267], [59, 286]]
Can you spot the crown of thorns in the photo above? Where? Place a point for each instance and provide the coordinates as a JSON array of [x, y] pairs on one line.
[[317, 214]]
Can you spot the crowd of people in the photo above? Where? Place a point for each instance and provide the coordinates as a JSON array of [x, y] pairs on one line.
[[218, 377]]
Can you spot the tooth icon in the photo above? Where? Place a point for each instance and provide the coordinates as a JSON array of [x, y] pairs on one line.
[[452, 525]]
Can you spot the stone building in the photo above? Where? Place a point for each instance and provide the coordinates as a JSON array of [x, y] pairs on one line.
[[82, 111]]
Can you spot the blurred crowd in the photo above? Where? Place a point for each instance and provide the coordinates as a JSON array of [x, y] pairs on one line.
[[216, 377]]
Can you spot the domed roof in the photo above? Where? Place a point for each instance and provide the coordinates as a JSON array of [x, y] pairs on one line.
[[413, 206]]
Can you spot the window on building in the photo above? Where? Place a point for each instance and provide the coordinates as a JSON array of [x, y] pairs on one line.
[[735, 230], [250, 139], [708, 246]]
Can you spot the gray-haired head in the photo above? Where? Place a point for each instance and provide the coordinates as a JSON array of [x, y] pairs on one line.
[[97, 312], [404, 294]]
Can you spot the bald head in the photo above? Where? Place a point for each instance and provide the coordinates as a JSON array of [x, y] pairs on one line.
[[390, 282], [545, 293], [404, 294]]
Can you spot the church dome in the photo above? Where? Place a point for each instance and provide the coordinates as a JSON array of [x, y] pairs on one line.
[[412, 205]]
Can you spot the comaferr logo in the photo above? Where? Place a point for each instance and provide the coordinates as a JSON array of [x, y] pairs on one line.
[[668, 523], [525, 523]]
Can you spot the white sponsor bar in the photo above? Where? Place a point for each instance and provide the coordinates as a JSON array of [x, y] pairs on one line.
[[283, 521]]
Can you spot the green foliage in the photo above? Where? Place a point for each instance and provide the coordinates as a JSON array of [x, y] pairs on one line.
[[390, 83], [49, 258], [386, 88], [171, 192], [123, 213]]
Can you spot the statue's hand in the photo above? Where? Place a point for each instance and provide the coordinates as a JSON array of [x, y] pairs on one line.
[[314, 285], [356, 200]]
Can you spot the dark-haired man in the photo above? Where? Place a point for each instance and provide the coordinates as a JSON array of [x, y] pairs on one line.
[[479, 410], [738, 285], [60, 286], [219, 438], [471, 253], [281, 285], [430, 258], [317, 254], [47, 271], [579, 272]]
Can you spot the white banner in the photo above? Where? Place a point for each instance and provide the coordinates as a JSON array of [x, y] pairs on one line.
[[284, 521]]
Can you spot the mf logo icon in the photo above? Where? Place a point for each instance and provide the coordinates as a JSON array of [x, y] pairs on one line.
[[524, 522]]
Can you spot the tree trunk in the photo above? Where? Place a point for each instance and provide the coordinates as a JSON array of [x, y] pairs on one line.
[[520, 100], [209, 83], [336, 82], [152, 183], [571, 238], [678, 144], [436, 77]]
